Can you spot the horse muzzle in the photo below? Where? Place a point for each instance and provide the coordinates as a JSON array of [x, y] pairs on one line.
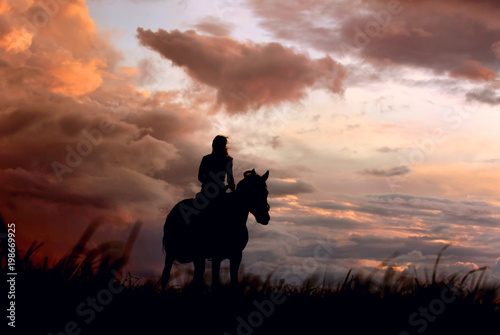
[[263, 219]]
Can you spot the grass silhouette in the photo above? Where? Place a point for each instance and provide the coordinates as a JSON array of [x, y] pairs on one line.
[[83, 294]]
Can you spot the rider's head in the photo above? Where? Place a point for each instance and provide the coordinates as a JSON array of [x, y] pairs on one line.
[[219, 145]]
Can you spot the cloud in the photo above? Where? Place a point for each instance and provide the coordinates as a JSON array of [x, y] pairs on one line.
[[246, 75], [214, 26], [388, 149], [77, 140], [473, 71], [58, 84], [496, 267], [364, 231], [441, 219], [495, 47], [324, 221], [395, 171], [418, 34], [486, 95], [62, 41], [282, 187], [443, 210]]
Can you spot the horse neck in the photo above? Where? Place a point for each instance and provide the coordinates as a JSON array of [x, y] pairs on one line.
[[239, 204]]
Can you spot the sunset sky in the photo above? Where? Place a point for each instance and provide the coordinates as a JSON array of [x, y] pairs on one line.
[[378, 121]]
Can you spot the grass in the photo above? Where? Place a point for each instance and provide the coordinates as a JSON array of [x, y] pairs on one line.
[[64, 294]]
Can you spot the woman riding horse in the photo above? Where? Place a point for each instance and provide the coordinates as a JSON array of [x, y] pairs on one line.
[[193, 234]]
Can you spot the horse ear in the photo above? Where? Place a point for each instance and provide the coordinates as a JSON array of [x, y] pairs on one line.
[[249, 173], [265, 176]]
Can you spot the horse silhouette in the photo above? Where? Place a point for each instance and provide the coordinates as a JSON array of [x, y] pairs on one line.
[[214, 228]]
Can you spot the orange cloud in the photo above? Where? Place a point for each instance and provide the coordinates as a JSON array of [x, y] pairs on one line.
[[59, 41], [474, 71], [17, 40], [58, 84], [75, 77], [4, 7]]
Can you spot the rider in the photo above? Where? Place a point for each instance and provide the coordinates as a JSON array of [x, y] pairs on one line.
[[215, 166]]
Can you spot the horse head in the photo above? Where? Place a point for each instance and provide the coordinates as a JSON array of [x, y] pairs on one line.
[[253, 188]]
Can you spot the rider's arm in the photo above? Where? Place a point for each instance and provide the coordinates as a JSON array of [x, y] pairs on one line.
[[230, 178], [202, 171]]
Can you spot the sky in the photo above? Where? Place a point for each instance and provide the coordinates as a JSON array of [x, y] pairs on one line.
[[376, 119]]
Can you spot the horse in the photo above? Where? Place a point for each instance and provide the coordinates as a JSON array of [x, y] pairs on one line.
[[213, 226]]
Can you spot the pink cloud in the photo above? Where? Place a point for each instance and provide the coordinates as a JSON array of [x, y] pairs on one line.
[[214, 26], [495, 47], [245, 75], [436, 35]]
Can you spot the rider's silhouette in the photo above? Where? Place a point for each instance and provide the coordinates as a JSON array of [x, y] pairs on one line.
[[215, 166]]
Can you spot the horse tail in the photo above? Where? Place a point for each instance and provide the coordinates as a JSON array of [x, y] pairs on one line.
[[164, 239], [170, 222], [175, 225]]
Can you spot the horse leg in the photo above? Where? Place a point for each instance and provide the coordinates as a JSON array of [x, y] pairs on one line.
[[234, 266], [199, 271], [216, 273], [165, 276]]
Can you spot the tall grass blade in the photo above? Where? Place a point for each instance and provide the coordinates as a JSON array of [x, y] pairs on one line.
[[437, 262]]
